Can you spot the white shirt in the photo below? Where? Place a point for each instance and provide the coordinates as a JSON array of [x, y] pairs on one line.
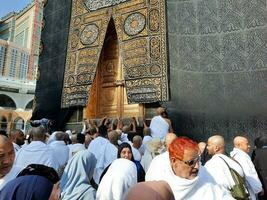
[[146, 139], [252, 179], [136, 154], [74, 148], [124, 137], [61, 151], [16, 147], [218, 169], [146, 160], [10, 176], [105, 153], [159, 164], [36, 152], [159, 127], [51, 138]]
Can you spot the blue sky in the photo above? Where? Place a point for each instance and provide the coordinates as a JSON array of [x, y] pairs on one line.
[[7, 6]]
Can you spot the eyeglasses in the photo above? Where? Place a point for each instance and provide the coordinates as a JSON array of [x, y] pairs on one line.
[[191, 163]]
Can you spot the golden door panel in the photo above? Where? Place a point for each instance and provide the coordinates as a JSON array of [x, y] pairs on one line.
[[108, 89], [131, 110], [107, 101], [109, 73], [91, 109]]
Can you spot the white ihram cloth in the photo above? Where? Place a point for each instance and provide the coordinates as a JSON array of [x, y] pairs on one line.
[[146, 139], [124, 137], [220, 172], [16, 147], [159, 127], [201, 187], [152, 148], [61, 152], [252, 180], [75, 148], [159, 167], [136, 154], [36, 152], [105, 153], [121, 175], [51, 138], [10, 176]]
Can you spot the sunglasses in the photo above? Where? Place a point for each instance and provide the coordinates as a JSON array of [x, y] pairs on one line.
[[191, 163]]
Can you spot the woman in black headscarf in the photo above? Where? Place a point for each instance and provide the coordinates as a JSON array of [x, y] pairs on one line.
[[125, 151], [40, 170], [33, 183], [31, 187]]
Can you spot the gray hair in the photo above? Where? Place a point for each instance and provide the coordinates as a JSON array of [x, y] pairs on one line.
[[60, 136], [38, 133]]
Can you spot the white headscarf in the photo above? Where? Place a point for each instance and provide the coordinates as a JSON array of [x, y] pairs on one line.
[[105, 152], [75, 182], [121, 175]]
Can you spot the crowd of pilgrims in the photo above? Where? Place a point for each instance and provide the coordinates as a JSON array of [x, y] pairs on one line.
[[117, 161]]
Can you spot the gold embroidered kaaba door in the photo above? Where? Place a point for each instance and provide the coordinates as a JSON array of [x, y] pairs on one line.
[[116, 56], [108, 95]]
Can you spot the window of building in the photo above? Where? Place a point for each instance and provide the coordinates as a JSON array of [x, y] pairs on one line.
[[22, 32], [24, 61], [14, 55], [20, 38], [2, 59]]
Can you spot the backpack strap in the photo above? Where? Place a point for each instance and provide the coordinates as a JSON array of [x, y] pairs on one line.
[[230, 168], [233, 177], [225, 162], [237, 163]]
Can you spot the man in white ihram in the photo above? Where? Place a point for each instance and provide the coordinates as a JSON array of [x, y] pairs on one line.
[[159, 125], [240, 154], [217, 167], [184, 174], [37, 152]]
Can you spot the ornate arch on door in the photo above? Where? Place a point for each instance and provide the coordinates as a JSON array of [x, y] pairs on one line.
[[141, 30]]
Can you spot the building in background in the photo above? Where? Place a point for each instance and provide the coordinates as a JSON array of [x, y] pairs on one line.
[[19, 53], [14, 60]]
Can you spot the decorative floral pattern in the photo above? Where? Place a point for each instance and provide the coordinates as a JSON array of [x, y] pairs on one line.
[[98, 4], [89, 34], [134, 24]]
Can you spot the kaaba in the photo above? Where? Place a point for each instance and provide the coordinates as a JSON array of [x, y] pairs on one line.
[[203, 60]]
